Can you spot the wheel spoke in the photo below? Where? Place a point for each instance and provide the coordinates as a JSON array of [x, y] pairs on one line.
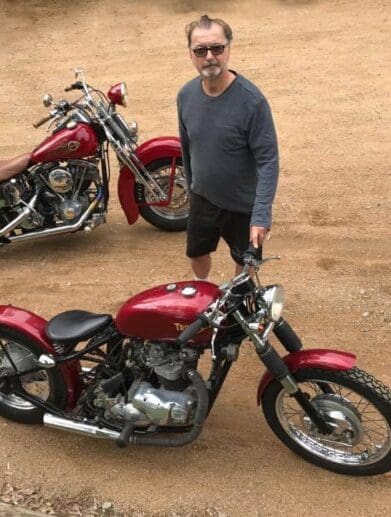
[[36, 384], [361, 436]]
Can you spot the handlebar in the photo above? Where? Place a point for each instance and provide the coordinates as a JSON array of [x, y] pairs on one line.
[[252, 256], [191, 331], [42, 121], [75, 86]]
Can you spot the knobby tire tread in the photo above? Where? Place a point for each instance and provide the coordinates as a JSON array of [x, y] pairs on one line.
[[362, 383]]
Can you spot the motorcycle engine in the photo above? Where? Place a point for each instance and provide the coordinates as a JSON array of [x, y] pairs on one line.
[[13, 196], [61, 180], [66, 194], [172, 404], [9, 194]]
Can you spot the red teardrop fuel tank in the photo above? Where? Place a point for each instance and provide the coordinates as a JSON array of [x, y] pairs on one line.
[[67, 144], [165, 311]]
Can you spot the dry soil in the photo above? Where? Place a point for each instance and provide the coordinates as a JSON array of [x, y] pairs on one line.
[[322, 66]]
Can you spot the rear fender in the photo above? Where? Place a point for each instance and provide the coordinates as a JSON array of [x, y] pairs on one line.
[[314, 358], [33, 327]]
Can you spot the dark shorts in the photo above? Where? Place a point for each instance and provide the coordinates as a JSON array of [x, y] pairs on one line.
[[207, 223]]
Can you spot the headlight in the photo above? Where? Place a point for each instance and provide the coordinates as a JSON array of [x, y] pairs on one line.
[[274, 300], [118, 94]]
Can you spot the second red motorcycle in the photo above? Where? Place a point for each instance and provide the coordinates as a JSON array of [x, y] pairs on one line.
[[62, 186], [135, 377]]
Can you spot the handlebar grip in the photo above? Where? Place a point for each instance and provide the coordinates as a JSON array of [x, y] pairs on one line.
[[252, 253], [74, 86], [42, 121], [191, 331]]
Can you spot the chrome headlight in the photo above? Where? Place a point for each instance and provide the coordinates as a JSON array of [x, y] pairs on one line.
[[274, 300]]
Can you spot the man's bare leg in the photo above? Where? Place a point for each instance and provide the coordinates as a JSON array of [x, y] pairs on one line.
[[201, 266]]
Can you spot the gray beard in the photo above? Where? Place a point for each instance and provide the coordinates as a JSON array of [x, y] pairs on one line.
[[211, 73]]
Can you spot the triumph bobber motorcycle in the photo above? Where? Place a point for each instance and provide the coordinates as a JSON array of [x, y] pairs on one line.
[[62, 186], [134, 378]]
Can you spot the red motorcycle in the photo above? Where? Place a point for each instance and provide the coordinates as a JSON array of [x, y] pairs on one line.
[[134, 378], [62, 186]]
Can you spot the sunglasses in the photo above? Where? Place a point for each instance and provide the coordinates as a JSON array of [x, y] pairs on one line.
[[216, 50]]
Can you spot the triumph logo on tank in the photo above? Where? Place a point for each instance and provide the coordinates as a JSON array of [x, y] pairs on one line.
[[181, 327]]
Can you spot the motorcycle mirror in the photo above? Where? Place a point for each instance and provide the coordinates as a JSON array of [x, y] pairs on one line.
[[79, 72], [47, 100]]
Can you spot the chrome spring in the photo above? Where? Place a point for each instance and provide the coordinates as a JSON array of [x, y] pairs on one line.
[[58, 348]]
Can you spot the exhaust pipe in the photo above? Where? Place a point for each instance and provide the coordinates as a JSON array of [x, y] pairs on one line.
[[64, 424], [126, 437], [21, 217], [56, 231]]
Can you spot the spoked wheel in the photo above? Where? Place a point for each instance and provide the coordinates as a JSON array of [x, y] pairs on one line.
[[17, 353], [353, 403], [172, 217]]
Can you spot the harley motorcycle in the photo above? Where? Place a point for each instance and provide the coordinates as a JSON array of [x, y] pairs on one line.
[[62, 186], [134, 378]]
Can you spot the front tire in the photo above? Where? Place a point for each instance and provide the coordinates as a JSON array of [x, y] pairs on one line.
[[173, 217], [354, 403], [48, 385]]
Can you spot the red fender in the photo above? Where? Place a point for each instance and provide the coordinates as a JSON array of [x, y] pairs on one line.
[[33, 327], [154, 149], [313, 358], [126, 195], [160, 147]]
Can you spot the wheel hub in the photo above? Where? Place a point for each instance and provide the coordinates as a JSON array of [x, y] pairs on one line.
[[340, 415]]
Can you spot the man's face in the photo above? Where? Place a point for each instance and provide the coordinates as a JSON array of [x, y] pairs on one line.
[[209, 66]]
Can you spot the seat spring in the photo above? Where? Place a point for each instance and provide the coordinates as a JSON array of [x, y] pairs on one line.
[[58, 348]]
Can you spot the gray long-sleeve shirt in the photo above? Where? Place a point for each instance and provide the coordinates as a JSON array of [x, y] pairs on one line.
[[229, 147]]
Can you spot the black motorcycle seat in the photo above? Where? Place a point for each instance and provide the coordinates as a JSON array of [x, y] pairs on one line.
[[71, 327]]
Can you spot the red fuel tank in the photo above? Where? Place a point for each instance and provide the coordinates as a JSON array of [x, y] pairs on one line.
[[78, 142], [165, 311]]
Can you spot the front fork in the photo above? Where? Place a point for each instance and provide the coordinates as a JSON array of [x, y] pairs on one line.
[[277, 367]]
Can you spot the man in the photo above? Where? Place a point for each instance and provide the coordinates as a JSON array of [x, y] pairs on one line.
[[229, 147]]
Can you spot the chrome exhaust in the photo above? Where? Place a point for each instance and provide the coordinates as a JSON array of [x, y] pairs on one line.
[[57, 231], [20, 218], [64, 424]]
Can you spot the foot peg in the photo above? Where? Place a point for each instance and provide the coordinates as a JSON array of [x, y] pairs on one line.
[[123, 439]]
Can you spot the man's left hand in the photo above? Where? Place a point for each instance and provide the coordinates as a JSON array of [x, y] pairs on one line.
[[257, 235]]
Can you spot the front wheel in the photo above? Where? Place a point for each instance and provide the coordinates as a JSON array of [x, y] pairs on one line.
[[172, 217], [353, 403]]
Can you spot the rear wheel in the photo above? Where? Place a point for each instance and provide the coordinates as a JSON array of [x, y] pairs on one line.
[[353, 403], [18, 353], [172, 217]]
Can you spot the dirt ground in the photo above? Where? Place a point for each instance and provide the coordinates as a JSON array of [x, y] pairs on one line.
[[322, 66]]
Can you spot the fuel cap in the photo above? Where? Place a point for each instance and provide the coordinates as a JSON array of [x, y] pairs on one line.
[[189, 291]]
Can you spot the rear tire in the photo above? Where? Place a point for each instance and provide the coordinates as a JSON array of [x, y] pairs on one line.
[[47, 384], [172, 218], [357, 405]]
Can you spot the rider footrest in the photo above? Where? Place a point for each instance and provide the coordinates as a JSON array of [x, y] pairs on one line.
[[71, 327], [123, 439]]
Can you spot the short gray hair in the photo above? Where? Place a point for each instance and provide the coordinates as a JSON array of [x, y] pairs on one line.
[[205, 23]]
